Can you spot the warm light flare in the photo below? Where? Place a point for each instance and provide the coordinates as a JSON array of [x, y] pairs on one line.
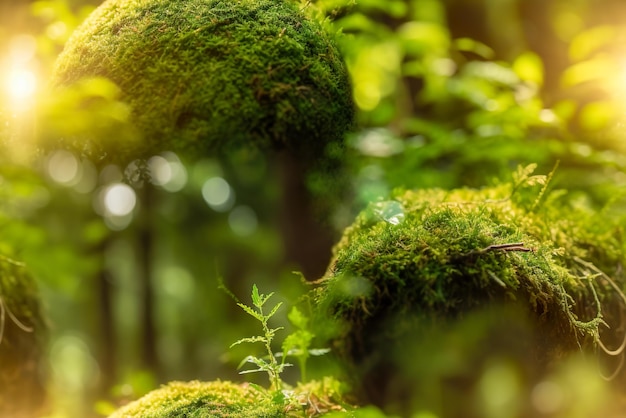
[[18, 81], [21, 84]]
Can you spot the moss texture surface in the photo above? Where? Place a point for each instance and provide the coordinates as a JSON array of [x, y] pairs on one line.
[[536, 268], [201, 400], [208, 75], [21, 345]]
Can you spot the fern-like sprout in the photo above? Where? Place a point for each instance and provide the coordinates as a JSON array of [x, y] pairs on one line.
[[270, 364]]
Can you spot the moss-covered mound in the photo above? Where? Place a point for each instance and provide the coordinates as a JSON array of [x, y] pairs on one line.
[[201, 399], [226, 399], [207, 75], [528, 275], [21, 342]]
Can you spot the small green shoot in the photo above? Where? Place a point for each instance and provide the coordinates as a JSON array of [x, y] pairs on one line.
[[271, 366], [295, 345]]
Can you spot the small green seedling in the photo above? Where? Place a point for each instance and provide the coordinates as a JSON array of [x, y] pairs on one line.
[[271, 366], [296, 344]]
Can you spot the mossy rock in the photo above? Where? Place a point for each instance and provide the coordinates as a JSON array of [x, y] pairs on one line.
[[439, 283], [21, 346], [200, 400], [219, 399], [203, 76]]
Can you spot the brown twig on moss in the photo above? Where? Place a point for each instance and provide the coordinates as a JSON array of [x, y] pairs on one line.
[[513, 246]]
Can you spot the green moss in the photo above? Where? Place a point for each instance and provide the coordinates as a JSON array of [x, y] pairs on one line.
[[21, 345], [535, 268], [209, 75], [201, 399], [225, 399]]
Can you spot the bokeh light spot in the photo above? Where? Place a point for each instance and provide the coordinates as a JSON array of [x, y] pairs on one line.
[[73, 364], [218, 194], [168, 172], [63, 167], [243, 221], [160, 170], [119, 199], [547, 397], [177, 282]]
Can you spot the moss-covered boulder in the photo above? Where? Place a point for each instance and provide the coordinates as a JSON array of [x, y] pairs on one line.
[[200, 399], [226, 399], [429, 288], [208, 75], [21, 343]]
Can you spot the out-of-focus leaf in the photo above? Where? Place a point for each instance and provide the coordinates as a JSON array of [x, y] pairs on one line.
[[421, 38], [394, 8], [474, 46], [597, 115], [586, 43], [529, 67], [585, 71], [491, 71]]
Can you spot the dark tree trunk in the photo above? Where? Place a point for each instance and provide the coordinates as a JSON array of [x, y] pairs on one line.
[[145, 252], [108, 341], [306, 238]]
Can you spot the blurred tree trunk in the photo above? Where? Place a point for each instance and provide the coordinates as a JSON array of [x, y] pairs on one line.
[[536, 16], [307, 240], [108, 340], [145, 251]]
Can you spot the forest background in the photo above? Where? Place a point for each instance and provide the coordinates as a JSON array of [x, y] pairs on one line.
[[448, 94]]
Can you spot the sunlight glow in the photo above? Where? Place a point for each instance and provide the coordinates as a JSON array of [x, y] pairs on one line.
[[21, 84], [22, 49], [19, 80]]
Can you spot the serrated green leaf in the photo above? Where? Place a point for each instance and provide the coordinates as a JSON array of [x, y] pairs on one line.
[[257, 339], [260, 363], [274, 310], [522, 173], [297, 318], [299, 340], [251, 312], [265, 298], [246, 359], [534, 180], [272, 332], [255, 296]]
